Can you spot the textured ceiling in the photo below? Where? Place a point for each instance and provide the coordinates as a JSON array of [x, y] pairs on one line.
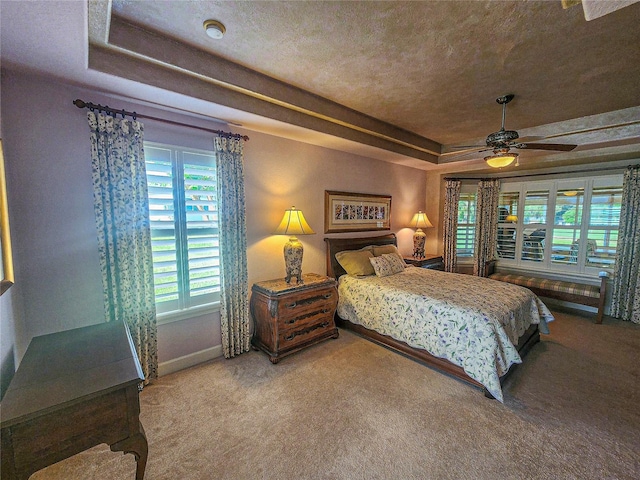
[[434, 68], [407, 77]]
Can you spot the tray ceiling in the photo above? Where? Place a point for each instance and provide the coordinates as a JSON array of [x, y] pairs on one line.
[[400, 81]]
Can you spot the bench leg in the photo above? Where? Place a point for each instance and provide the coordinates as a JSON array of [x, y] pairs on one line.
[[600, 314], [603, 297]]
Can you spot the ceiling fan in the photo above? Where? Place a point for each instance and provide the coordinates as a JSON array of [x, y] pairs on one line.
[[502, 141]]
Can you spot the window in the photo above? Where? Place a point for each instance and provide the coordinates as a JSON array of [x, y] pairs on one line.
[[184, 226], [567, 221], [507, 218], [604, 219], [534, 220], [466, 232], [565, 225]]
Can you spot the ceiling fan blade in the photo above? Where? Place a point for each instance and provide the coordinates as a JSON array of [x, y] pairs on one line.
[[530, 138], [561, 147]]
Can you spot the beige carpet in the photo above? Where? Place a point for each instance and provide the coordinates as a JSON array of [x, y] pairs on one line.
[[349, 409]]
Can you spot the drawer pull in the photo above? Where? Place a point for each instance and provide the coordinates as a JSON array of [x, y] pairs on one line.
[[291, 305], [304, 331], [291, 321]]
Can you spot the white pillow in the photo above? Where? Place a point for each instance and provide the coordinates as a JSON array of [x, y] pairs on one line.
[[379, 250], [387, 264]]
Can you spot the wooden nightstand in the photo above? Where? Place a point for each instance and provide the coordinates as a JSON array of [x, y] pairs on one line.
[[290, 317], [434, 262]]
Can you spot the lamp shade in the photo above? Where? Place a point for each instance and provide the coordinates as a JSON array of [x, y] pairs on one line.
[[511, 219], [293, 223], [420, 220]]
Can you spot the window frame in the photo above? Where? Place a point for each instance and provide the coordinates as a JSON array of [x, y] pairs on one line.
[[182, 308], [581, 268], [470, 192], [505, 246]]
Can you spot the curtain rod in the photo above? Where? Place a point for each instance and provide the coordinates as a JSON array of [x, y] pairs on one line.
[[473, 178], [543, 174], [112, 111]]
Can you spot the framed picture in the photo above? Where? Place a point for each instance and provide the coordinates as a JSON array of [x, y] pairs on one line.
[[356, 212]]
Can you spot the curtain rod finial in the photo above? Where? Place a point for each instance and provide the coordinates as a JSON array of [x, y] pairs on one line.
[[79, 103]]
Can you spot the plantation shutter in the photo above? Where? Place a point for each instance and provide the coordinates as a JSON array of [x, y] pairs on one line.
[[184, 227]]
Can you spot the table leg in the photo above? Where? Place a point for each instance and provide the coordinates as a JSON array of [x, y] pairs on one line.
[[136, 444]]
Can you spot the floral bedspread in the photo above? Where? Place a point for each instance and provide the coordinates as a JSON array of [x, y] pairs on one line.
[[473, 322]]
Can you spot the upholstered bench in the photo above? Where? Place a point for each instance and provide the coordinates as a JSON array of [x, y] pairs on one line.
[[591, 295]]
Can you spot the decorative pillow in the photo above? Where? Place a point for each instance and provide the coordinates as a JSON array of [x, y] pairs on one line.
[[356, 262], [379, 250], [382, 249], [387, 264]]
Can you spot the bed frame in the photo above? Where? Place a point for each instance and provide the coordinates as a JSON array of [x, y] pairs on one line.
[[334, 269]]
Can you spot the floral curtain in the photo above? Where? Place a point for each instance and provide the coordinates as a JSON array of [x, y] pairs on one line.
[[486, 225], [451, 198], [625, 301], [234, 289], [121, 208]]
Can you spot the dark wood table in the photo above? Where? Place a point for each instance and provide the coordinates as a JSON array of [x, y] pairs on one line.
[[73, 390]]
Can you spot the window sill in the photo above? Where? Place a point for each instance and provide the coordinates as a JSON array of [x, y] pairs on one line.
[[179, 315]]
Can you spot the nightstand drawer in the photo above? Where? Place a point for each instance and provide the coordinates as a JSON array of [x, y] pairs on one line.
[[306, 303], [304, 319], [305, 333]]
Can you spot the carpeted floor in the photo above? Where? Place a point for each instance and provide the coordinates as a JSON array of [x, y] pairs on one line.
[[349, 409]]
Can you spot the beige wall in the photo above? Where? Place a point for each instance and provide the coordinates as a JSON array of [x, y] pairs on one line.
[[47, 152], [435, 210], [281, 173]]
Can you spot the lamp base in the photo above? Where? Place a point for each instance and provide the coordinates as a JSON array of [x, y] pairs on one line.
[[293, 259], [419, 239]]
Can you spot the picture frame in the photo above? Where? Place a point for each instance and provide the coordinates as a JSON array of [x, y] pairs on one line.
[[6, 258], [356, 212]]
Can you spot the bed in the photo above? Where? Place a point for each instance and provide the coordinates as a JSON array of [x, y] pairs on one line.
[[451, 322]]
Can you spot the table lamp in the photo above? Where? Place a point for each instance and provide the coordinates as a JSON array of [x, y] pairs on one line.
[[419, 221], [293, 223]]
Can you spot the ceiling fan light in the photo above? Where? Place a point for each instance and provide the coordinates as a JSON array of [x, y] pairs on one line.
[[501, 160]]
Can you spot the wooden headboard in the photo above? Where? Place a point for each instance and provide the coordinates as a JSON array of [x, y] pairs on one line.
[[335, 245]]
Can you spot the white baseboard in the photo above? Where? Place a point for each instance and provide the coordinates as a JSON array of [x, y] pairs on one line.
[[186, 361], [551, 302]]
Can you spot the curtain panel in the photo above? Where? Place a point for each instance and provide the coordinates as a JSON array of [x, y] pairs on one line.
[[451, 198], [625, 301], [121, 209], [234, 282], [486, 225]]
